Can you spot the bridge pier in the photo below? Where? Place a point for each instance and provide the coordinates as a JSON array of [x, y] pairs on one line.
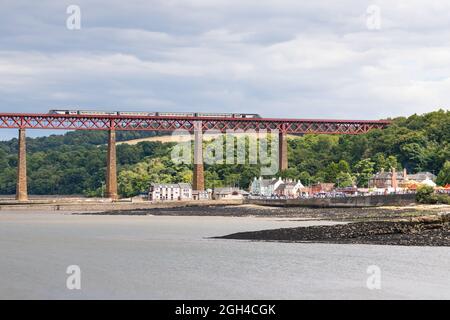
[[198, 179], [111, 167], [21, 187], [282, 151]]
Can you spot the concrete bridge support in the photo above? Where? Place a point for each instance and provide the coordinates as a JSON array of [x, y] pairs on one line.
[[111, 167], [21, 188], [282, 152], [198, 179]]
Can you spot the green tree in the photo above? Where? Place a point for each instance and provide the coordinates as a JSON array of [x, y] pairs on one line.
[[364, 171], [212, 180], [290, 173], [344, 179], [391, 162], [331, 171], [379, 162], [343, 166], [305, 178], [443, 177]]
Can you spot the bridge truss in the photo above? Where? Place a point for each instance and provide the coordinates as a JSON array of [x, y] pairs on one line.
[[160, 123]]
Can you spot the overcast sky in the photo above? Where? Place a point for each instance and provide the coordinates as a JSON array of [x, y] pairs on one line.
[[279, 58]]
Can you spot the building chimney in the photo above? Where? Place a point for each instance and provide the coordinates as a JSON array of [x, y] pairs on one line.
[[394, 183], [405, 174]]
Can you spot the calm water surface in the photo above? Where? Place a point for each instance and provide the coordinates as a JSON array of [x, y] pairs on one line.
[[149, 257]]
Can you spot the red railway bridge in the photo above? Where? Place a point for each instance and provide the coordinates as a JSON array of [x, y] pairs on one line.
[[170, 123]]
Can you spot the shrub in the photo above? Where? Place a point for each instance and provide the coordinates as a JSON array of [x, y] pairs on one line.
[[425, 194], [443, 198]]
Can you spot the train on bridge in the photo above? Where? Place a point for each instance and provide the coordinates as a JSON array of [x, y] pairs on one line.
[[151, 114], [66, 119]]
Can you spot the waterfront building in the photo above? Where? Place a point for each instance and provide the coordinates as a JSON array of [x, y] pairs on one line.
[[201, 195], [276, 187], [185, 191], [229, 193], [393, 179], [422, 177], [265, 187], [322, 187], [388, 179], [289, 189], [172, 192]]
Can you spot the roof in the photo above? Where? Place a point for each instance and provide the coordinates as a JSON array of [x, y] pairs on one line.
[[273, 181], [420, 176], [171, 185], [387, 175], [226, 190], [164, 185], [294, 183], [199, 192], [229, 190], [291, 184], [324, 184], [265, 182]]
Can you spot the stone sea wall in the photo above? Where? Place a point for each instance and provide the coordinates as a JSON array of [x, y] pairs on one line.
[[348, 202]]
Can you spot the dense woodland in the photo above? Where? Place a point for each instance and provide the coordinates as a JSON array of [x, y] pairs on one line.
[[75, 163]]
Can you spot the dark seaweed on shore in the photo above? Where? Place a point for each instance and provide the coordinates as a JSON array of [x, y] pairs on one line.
[[339, 214], [410, 226], [418, 233]]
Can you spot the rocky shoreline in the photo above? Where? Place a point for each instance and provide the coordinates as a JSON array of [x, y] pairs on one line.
[[422, 231], [420, 225], [338, 214]]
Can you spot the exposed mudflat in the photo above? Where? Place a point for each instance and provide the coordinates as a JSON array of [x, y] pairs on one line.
[[342, 214], [425, 231], [412, 226]]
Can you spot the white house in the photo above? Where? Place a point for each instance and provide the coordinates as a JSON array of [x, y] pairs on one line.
[[201, 195], [185, 191], [289, 188], [265, 187]]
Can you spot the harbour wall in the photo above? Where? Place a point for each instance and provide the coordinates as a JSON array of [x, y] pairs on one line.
[[347, 202]]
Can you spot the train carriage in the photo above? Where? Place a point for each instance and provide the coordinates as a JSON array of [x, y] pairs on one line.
[[163, 114], [136, 113], [176, 114]]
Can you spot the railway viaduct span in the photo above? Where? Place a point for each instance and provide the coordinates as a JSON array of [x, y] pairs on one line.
[[112, 124]]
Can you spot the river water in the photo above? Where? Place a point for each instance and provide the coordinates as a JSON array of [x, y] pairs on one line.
[[154, 257]]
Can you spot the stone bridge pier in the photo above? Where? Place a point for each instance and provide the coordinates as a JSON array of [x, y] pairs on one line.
[[198, 182], [198, 178], [111, 167], [21, 186], [282, 151]]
